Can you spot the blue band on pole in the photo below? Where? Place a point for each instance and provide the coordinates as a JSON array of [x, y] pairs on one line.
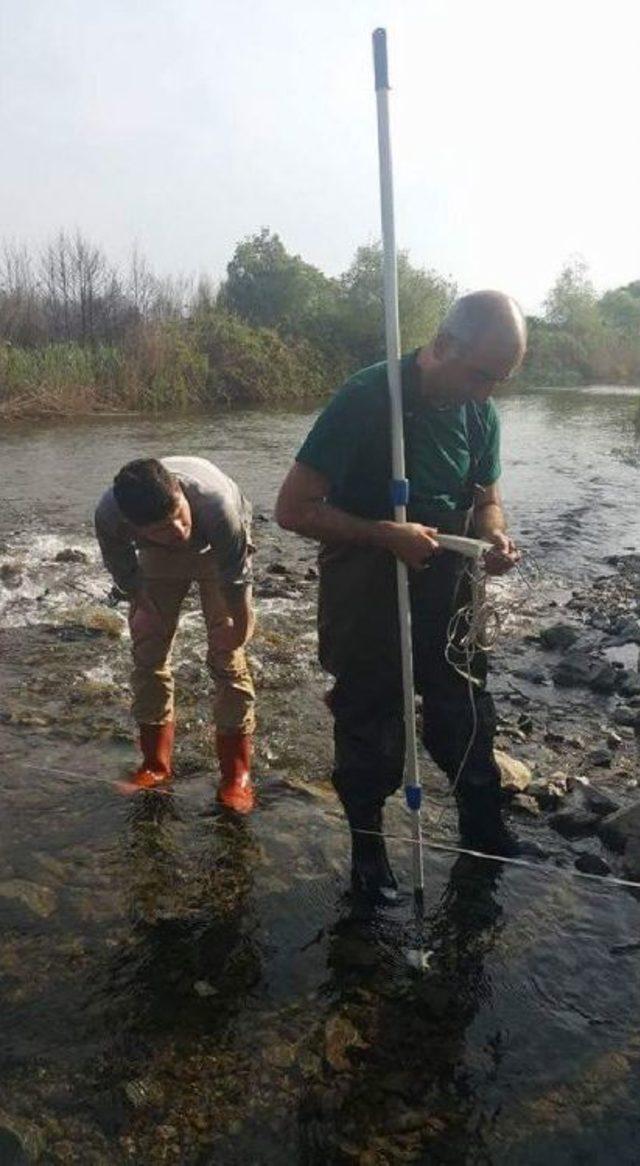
[[413, 794], [400, 491]]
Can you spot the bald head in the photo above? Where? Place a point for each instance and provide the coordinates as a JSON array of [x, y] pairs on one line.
[[481, 341], [487, 322]]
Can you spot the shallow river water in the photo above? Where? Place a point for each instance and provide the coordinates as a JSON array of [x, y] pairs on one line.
[[178, 988]]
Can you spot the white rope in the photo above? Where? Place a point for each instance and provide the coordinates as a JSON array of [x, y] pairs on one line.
[[473, 627], [537, 868]]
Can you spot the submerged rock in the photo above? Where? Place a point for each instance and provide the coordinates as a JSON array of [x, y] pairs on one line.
[[19, 1137], [339, 1035], [41, 900]]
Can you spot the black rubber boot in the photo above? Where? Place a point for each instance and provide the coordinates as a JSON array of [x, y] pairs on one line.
[[371, 875], [482, 826]]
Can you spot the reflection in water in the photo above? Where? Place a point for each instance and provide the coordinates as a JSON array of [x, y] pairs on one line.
[[190, 959], [407, 1089]]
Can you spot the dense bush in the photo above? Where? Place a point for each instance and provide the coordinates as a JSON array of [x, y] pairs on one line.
[[77, 335]]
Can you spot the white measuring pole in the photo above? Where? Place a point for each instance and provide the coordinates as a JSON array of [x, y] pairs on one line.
[[399, 486]]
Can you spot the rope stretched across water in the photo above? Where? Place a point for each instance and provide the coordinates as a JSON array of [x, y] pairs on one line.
[[449, 848]]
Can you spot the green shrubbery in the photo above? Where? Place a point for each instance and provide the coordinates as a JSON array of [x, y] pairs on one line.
[[77, 336]]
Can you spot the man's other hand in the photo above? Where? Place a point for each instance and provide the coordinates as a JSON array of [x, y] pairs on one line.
[[411, 542], [503, 555]]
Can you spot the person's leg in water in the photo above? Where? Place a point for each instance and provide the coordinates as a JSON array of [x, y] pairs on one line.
[[153, 621], [366, 703], [234, 703]]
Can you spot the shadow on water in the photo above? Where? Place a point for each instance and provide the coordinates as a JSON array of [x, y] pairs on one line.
[[407, 1092]]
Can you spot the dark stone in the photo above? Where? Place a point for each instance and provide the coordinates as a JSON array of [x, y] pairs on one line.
[[598, 802], [11, 576], [559, 635], [11, 1152], [603, 678], [547, 794], [573, 671], [621, 831], [600, 756], [525, 723], [311, 573], [624, 715], [278, 569], [627, 630], [592, 864], [554, 735], [71, 555], [533, 675], [576, 819], [600, 621], [628, 683]]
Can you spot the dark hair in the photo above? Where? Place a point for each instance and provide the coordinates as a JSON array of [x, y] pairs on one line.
[[145, 491]]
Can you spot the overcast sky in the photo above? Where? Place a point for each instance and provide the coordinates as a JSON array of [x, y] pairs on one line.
[[185, 125]]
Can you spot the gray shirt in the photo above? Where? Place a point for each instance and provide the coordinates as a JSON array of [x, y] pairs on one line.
[[221, 518]]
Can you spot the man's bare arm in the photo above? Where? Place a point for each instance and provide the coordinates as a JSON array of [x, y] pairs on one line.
[[489, 523], [303, 508]]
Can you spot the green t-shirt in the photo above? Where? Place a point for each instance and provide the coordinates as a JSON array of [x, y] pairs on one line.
[[447, 450]]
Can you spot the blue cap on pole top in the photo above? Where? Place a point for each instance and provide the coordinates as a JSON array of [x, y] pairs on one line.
[[380, 66]]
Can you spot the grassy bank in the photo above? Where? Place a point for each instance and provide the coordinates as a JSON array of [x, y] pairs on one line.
[[162, 367]]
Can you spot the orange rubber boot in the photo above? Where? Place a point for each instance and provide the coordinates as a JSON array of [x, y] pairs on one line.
[[156, 742], [235, 790]]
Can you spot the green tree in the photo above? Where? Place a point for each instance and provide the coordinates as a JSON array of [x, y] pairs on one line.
[[423, 297], [268, 287]]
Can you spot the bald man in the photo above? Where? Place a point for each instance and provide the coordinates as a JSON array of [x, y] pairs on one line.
[[338, 492]]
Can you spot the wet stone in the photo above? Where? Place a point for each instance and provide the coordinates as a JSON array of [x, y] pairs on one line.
[[71, 555], [515, 776], [526, 804], [591, 864], [625, 715], [19, 1137], [340, 1035], [628, 683], [576, 819], [40, 900], [604, 679], [573, 671], [11, 576], [601, 756], [281, 1055], [558, 636]]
